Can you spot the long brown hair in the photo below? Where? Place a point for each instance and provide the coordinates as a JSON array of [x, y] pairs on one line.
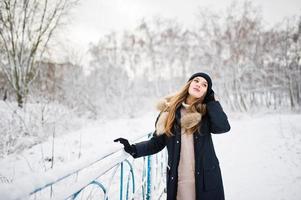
[[176, 101]]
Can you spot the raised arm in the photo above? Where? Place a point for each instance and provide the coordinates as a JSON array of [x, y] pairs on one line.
[[218, 120]]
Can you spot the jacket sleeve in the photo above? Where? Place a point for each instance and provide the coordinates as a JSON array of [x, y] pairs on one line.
[[218, 120], [151, 146]]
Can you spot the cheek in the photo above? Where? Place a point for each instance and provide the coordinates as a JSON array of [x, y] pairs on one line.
[[190, 89], [202, 92]]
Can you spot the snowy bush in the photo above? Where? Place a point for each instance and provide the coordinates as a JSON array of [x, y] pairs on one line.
[[21, 128]]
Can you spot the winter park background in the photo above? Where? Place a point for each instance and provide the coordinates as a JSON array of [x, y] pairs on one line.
[[68, 90]]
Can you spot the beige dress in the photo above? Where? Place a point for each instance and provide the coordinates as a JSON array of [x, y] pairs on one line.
[[186, 178]]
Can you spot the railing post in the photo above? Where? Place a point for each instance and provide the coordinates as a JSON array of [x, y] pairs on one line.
[[149, 176], [121, 180]]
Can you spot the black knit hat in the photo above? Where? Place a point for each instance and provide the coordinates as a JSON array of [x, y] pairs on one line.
[[205, 76]]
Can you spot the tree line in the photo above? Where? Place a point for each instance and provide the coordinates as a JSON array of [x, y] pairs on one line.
[[252, 66]]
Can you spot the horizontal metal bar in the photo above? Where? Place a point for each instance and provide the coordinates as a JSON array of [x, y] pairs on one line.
[[46, 179]]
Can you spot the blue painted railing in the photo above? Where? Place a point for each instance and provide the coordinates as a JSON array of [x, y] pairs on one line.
[[98, 179]]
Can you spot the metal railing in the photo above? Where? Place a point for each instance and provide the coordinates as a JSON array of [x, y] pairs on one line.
[[113, 175]]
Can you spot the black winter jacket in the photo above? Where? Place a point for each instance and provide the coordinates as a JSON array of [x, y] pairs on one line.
[[208, 178]]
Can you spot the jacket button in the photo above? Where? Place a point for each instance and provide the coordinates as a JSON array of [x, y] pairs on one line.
[[196, 137], [198, 173], [172, 178], [178, 141]]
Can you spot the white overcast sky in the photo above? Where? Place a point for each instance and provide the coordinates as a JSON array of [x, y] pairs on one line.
[[93, 18]]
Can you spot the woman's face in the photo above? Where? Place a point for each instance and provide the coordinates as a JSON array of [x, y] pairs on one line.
[[198, 87]]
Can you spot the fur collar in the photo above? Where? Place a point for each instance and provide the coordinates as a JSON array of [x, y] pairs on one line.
[[189, 120]]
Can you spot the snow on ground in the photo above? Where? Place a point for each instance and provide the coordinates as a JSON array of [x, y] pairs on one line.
[[260, 157], [86, 142]]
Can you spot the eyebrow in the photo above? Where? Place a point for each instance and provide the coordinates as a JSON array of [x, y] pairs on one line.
[[202, 81]]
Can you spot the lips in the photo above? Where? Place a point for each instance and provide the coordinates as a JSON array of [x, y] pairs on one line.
[[196, 89]]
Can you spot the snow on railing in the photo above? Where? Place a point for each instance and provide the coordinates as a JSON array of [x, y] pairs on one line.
[[96, 178]]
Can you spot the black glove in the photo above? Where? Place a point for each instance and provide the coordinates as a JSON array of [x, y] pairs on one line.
[[209, 96], [131, 149]]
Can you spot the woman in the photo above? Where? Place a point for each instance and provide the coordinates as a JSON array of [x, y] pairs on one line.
[[184, 125]]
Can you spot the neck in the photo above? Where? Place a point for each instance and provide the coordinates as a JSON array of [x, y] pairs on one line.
[[189, 100]]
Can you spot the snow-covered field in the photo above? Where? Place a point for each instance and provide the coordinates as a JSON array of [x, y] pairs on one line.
[[260, 157]]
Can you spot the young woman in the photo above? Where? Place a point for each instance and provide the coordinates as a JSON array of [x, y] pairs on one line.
[[184, 126]]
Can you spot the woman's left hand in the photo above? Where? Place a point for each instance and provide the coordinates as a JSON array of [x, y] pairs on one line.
[[210, 97]]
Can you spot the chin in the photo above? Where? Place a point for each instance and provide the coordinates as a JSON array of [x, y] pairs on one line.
[[196, 96]]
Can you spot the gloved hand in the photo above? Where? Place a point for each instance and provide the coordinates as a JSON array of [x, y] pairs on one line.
[[209, 97], [131, 149]]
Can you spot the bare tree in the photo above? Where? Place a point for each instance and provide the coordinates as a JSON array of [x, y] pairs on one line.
[[26, 27]]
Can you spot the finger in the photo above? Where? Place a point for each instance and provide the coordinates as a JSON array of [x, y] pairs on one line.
[[117, 140]]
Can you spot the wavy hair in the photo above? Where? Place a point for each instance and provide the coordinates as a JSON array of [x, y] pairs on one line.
[[176, 101]]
